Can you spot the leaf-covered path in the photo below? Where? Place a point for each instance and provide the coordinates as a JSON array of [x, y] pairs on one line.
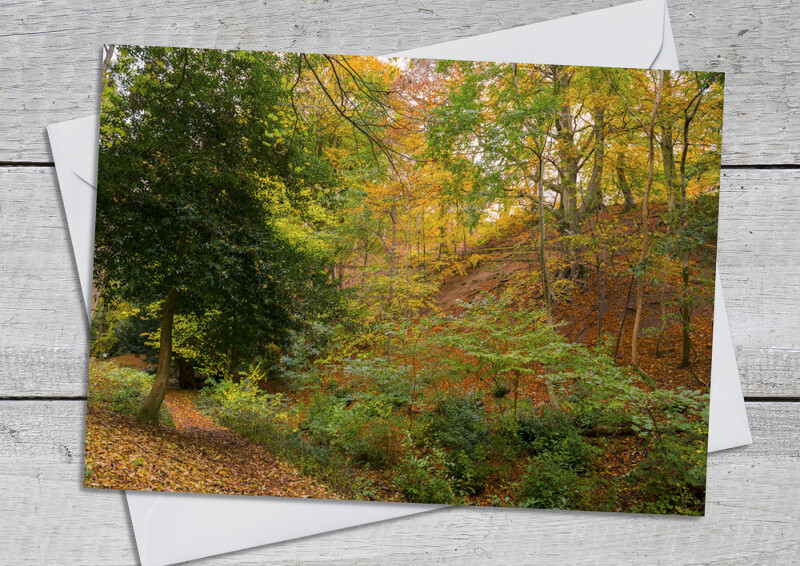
[[182, 404], [197, 456]]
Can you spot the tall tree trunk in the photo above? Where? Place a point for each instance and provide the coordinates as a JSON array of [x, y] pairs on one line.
[[422, 229], [668, 158], [391, 277], [663, 327], [645, 228], [594, 191], [569, 180], [686, 314], [667, 155], [601, 258], [417, 236], [565, 126], [542, 239], [152, 403], [630, 203], [551, 394], [686, 311], [442, 230], [571, 196], [406, 276]]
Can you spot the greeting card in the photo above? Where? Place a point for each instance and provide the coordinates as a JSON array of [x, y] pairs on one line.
[[404, 280]]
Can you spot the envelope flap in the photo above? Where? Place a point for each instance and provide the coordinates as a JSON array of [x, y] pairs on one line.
[[728, 426], [74, 146], [631, 37], [180, 526], [77, 142]]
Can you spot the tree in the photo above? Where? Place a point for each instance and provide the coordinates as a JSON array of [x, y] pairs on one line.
[[645, 222], [194, 145], [682, 97], [502, 147]]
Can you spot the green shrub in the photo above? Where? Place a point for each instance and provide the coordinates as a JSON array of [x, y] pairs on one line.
[[458, 425], [542, 428], [338, 430], [549, 483], [122, 389], [371, 443], [550, 430], [383, 378], [296, 369], [360, 427], [673, 473], [244, 408], [592, 407], [423, 479], [468, 471]]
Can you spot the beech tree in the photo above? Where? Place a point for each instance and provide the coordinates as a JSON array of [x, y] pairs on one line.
[[645, 222]]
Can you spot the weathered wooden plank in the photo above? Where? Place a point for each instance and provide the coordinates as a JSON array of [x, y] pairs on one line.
[[44, 345], [50, 52], [756, 44], [752, 516], [759, 262], [45, 514]]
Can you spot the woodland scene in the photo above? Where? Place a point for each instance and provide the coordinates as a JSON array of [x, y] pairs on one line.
[[404, 280]]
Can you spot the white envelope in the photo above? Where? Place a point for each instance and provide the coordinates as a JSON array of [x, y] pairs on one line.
[[171, 528]]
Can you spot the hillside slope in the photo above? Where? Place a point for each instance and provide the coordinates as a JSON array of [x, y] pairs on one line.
[[510, 262]]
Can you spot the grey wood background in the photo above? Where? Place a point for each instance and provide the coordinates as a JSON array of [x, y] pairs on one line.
[[49, 72]]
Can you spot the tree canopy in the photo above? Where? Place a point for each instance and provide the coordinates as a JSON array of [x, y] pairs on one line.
[[196, 149]]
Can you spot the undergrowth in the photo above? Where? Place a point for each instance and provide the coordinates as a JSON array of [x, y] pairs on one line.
[[122, 389]]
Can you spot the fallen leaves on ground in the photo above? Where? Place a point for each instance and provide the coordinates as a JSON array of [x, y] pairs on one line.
[[198, 456], [202, 456], [138, 361], [182, 404]]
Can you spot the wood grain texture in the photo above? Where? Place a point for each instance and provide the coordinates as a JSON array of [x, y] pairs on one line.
[[50, 52], [751, 517], [757, 45], [49, 72], [759, 263], [45, 344]]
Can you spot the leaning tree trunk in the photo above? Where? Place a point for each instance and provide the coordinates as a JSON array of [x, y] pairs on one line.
[[630, 202], [152, 404], [645, 230], [686, 311]]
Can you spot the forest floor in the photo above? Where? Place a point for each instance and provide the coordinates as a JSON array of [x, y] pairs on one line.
[[196, 456], [509, 260], [200, 456]]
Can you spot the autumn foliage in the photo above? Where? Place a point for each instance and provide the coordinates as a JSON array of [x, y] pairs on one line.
[[456, 282]]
